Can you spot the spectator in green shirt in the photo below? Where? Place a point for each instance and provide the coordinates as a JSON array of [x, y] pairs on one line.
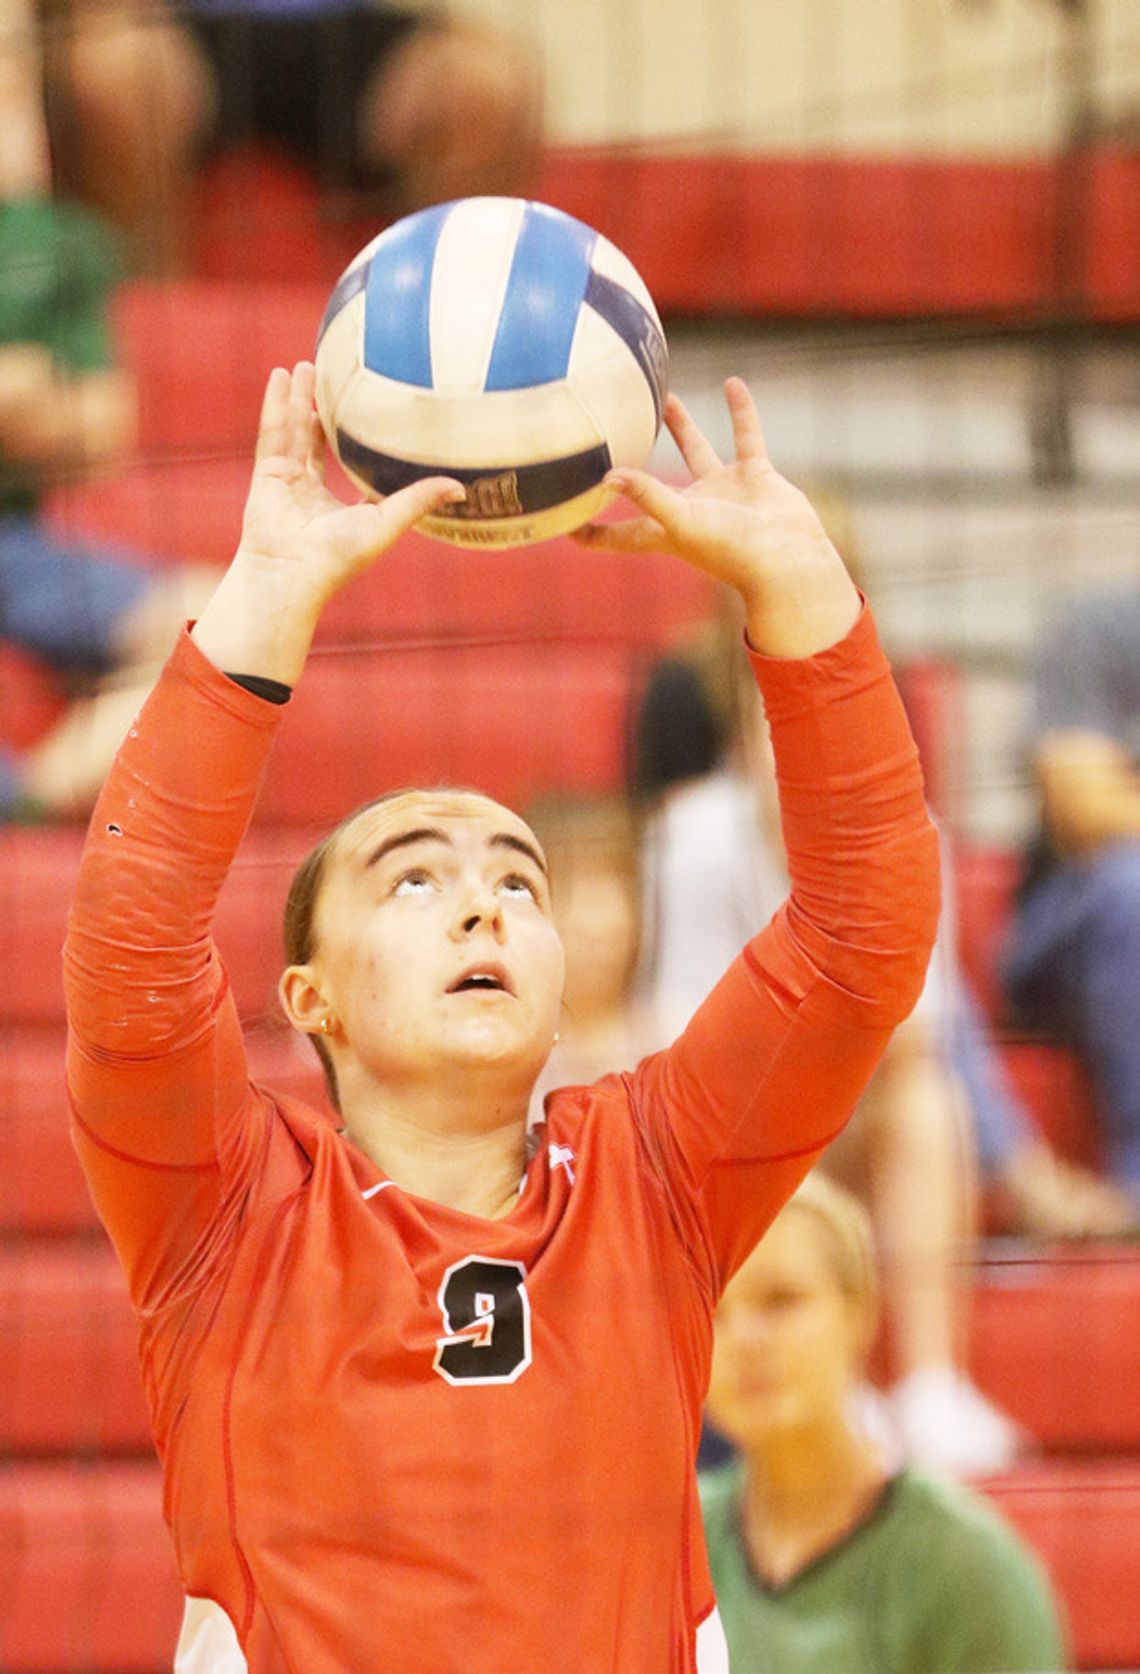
[[825, 1561], [102, 619]]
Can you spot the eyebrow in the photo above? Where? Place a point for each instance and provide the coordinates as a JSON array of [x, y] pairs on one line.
[[434, 834]]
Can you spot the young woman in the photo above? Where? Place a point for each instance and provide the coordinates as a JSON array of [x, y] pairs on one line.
[[824, 1561], [427, 1389]]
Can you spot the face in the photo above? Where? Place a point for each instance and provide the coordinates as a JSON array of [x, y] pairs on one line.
[[435, 946], [789, 1342]]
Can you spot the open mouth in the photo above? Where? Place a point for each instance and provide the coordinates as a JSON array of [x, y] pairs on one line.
[[483, 979]]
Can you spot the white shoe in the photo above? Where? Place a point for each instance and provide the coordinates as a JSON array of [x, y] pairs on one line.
[[946, 1424]]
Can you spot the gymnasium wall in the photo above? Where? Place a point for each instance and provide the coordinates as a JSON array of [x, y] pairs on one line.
[[931, 78]]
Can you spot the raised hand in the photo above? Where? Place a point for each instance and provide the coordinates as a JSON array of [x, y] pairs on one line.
[[291, 519], [746, 525], [299, 543]]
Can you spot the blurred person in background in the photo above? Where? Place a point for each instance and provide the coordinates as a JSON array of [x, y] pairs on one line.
[[939, 1109], [101, 620], [592, 848], [1073, 960], [824, 1559], [410, 103]]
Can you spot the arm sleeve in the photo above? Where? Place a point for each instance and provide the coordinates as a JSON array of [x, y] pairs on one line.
[[167, 1128], [773, 1062]]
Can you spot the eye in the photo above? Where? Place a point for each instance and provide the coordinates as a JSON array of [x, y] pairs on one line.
[[516, 886], [413, 882]]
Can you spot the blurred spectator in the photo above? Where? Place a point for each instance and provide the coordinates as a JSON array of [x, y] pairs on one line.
[[713, 871], [823, 1560], [591, 847], [94, 616], [403, 100], [1073, 966]]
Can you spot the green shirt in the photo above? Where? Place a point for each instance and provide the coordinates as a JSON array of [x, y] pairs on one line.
[[932, 1581], [58, 266]]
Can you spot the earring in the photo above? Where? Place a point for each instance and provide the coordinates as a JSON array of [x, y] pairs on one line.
[[327, 1024], [557, 1036]]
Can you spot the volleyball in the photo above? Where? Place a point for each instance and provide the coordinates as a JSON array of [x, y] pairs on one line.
[[500, 342]]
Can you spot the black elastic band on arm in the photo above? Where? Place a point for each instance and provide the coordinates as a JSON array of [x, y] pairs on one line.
[[273, 691]]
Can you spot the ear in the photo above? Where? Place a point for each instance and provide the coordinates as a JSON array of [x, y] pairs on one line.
[[302, 1000]]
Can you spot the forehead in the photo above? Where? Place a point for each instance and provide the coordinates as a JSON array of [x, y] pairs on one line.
[[461, 815]]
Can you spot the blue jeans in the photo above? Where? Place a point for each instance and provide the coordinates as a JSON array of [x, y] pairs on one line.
[[1073, 968], [64, 601]]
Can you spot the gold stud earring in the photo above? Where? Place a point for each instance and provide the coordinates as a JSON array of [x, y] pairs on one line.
[[326, 1024]]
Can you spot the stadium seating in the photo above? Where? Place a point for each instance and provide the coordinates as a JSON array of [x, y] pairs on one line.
[[795, 235], [87, 1576], [1083, 1519]]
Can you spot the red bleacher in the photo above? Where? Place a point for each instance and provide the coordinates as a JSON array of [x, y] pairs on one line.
[[516, 671]]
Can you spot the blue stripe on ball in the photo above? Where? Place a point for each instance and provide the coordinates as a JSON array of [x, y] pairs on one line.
[[397, 306], [637, 329], [493, 490], [349, 284], [547, 282]]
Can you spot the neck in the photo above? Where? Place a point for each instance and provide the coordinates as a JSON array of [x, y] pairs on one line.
[[460, 1151], [803, 1492]]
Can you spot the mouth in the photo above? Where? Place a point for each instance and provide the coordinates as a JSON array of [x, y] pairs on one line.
[[483, 979]]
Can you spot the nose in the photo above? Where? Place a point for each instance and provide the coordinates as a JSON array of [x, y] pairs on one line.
[[478, 908]]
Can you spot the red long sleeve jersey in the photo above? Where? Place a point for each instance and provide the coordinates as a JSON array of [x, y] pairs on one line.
[[396, 1436]]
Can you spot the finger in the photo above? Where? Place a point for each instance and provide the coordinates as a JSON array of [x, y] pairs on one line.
[[272, 427], [408, 505], [651, 496], [300, 411], [747, 431], [696, 449], [318, 447], [629, 534]]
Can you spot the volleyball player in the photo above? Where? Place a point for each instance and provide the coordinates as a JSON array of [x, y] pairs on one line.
[[427, 1389]]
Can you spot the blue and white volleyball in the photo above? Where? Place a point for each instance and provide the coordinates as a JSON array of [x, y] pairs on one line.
[[500, 342]]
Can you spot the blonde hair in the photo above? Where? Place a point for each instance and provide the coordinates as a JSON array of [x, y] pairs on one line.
[[847, 1230]]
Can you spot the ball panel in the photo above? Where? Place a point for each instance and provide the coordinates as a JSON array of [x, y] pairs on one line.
[[614, 264], [639, 330], [519, 531], [351, 282], [397, 296], [505, 492], [548, 280], [613, 390], [479, 431], [469, 280], [338, 358]]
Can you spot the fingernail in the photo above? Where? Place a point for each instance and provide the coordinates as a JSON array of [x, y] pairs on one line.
[[614, 479]]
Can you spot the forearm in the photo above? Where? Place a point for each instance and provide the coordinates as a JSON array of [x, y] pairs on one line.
[[25, 156], [140, 971], [253, 624], [802, 599], [862, 852]]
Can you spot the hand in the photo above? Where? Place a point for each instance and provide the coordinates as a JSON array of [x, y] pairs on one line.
[[299, 543], [746, 525], [1051, 1198], [292, 523]]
